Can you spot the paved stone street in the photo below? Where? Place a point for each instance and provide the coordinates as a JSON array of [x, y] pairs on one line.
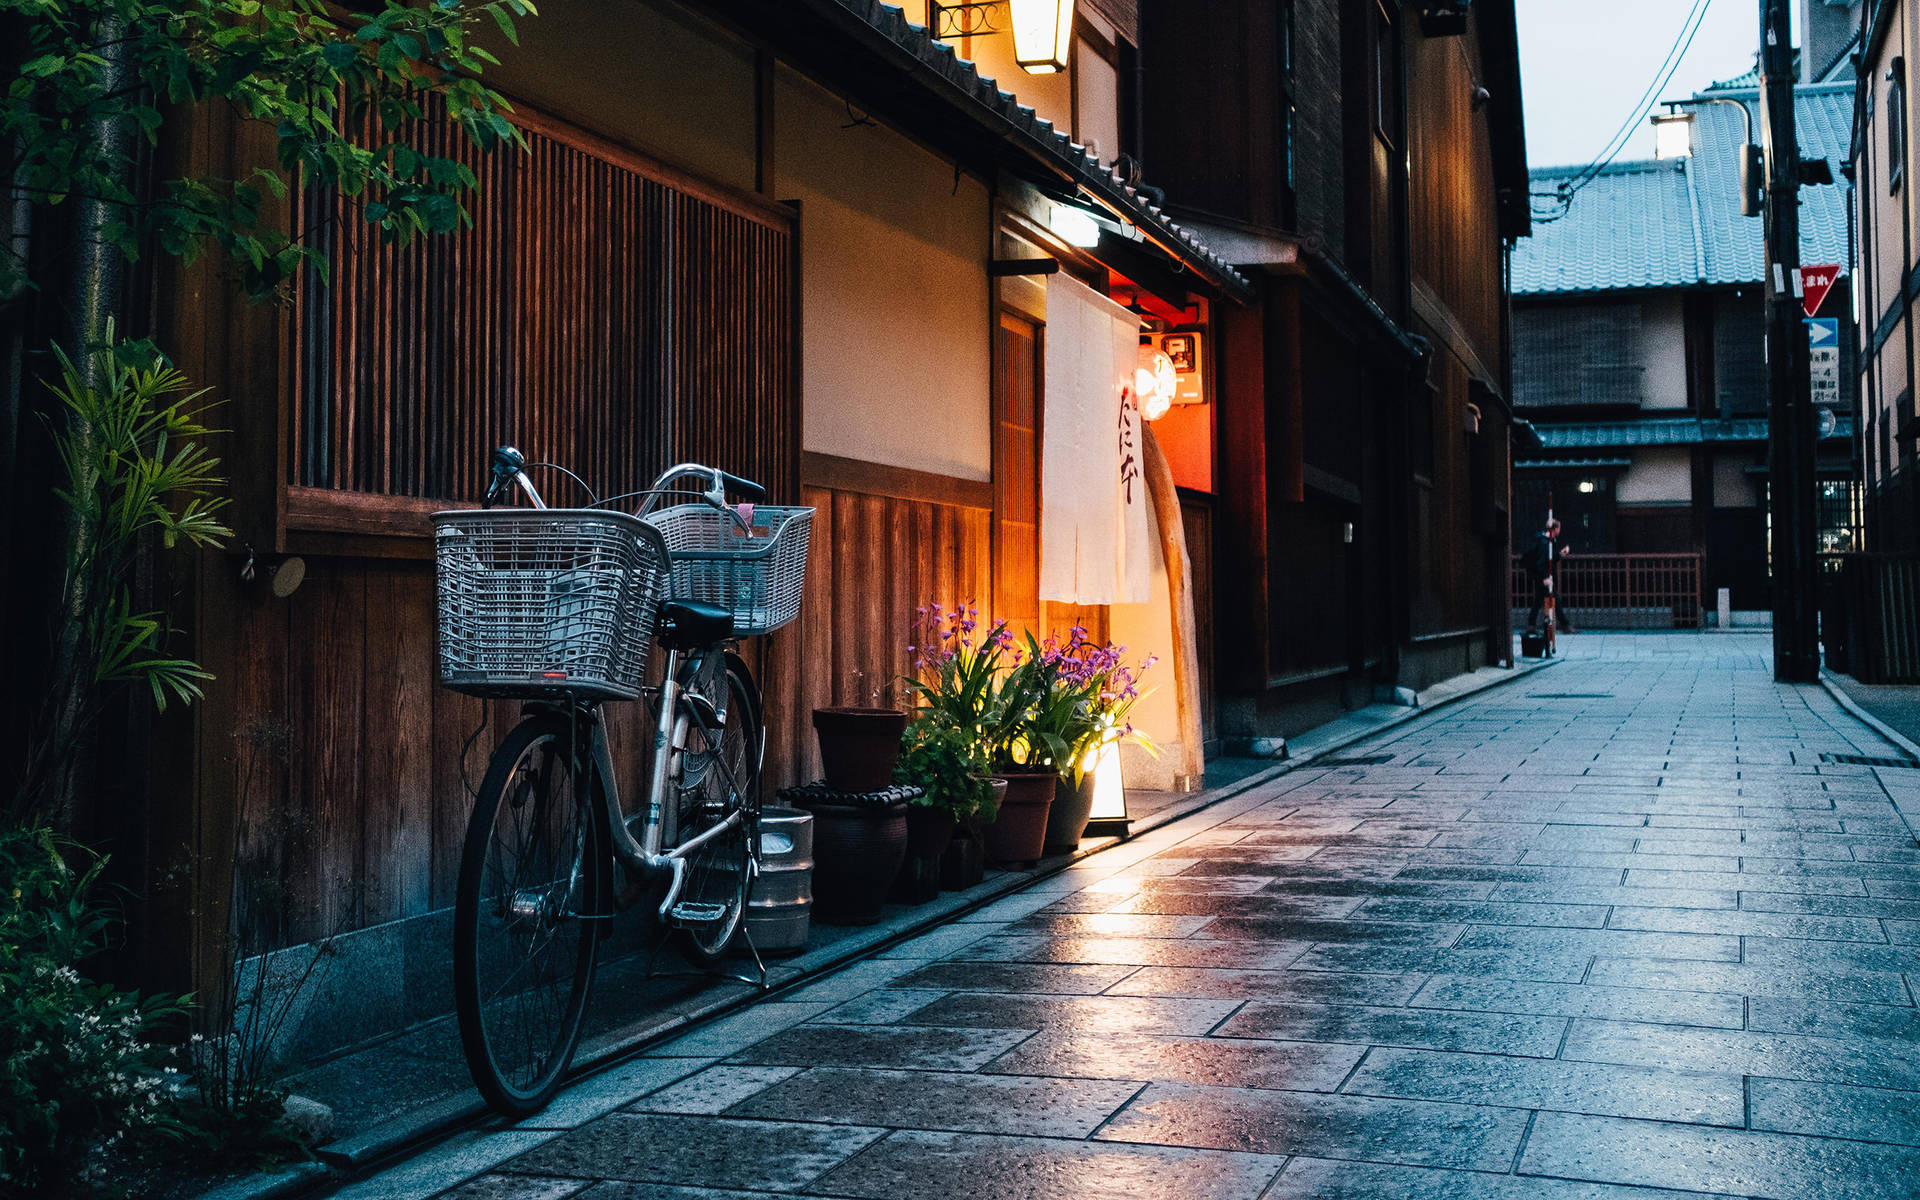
[[1616, 928]]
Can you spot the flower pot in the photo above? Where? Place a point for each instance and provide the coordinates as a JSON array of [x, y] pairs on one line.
[[1019, 833], [858, 746], [1067, 819], [856, 853], [928, 832], [965, 862]]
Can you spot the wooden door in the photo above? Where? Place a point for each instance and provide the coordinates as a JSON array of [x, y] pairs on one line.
[[1016, 471]]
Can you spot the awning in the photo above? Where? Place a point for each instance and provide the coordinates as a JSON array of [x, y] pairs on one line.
[[897, 69], [1570, 464], [1665, 431]]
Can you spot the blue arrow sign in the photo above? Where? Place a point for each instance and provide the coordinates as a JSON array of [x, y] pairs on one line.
[[1823, 331]]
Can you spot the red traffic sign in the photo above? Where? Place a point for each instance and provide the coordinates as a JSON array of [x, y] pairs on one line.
[[1815, 283]]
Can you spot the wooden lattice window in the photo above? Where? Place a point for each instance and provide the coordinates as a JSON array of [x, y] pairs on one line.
[[603, 312]]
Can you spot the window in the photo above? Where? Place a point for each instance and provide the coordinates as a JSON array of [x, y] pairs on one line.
[[412, 362], [1289, 104], [1386, 78], [1896, 124], [1577, 354]]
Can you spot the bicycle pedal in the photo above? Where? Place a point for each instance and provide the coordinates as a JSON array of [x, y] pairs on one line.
[[688, 912]]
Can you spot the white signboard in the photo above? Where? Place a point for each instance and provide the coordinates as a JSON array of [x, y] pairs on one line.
[[1823, 357]]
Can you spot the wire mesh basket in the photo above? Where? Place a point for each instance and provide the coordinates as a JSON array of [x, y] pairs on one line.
[[542, 602], [755, 571]]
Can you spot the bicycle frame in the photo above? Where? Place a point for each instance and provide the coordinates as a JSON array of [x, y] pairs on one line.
[[680, 710]]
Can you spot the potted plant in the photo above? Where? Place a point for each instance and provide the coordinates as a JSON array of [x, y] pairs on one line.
[[1092, 692], [961, 684], [945, 762]]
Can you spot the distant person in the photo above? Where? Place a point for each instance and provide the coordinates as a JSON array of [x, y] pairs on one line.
[[1539, 561]]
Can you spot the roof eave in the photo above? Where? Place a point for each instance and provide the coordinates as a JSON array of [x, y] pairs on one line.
[[869, 49]]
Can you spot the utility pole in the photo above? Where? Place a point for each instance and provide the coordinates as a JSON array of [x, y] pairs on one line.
[[1790, 439]]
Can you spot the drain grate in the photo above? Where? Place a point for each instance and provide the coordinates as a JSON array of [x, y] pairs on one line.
[[1569, 695], [1357, 760], [1868, 760]]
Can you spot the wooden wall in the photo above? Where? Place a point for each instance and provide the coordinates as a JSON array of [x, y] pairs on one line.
[[874, 560], [1455, 236]]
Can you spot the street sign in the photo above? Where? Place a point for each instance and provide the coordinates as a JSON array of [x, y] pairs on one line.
[[1815, 283], [1823, 358]]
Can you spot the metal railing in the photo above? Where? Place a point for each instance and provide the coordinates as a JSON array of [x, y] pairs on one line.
[[1619, 591]]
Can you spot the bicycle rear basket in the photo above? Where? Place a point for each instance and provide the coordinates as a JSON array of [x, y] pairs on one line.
[[543, 602], [757, 573]]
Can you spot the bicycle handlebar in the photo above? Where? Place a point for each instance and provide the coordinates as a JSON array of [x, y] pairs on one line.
[[509, 466]]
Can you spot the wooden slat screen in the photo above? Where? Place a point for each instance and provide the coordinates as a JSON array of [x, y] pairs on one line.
[[599, 314]]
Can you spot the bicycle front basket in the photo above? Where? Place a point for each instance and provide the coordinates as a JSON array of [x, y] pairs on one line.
[[757, 573], [544, 602]]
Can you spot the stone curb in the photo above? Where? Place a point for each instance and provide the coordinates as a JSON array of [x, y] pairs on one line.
[[1864, 717], [362, 1154]]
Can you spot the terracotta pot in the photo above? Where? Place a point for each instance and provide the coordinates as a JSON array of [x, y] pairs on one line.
[[965, 862], [856, 854], [858, 746], [1067, 819], [1018, 835]]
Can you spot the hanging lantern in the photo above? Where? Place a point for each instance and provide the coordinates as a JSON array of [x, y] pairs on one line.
[[1155, 383], [1042, 34]]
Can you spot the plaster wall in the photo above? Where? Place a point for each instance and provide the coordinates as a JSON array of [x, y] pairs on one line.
[[1659, 475], [1733, 487], [644, 73], [896, 321], [1663, 352]]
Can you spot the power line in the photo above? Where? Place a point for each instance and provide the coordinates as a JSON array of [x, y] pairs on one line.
[[1562, 196]]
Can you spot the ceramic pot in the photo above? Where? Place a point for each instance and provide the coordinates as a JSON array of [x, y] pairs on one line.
[[1019, 833], [857, 851], [928, 831], [1067, 819], [964, 864], [858, 746]]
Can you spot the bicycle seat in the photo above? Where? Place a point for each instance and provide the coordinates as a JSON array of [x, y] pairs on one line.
[[688, 624]]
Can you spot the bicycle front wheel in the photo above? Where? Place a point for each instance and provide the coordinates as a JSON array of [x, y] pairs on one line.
[[527, 915], [719, 778]]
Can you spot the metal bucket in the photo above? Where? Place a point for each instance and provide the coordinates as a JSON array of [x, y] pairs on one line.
[[781, 904]]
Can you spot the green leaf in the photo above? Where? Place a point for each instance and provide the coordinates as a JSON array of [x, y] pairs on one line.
[[505, 22]]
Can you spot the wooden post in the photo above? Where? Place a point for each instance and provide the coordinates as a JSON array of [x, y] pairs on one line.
[[1187, 773]]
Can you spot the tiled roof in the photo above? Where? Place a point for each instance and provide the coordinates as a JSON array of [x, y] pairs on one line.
[[1823, 122], [1678, 223], [1631, 226], [1664, 431]]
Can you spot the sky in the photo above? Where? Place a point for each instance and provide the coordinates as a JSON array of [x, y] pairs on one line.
[[1584, 64]]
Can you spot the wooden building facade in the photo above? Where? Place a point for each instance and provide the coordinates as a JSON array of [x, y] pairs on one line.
[[815, 243]]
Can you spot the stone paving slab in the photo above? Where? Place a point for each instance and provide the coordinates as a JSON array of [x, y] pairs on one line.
[[1632, 948]]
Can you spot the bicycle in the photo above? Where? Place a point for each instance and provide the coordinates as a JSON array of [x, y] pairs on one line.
[[559, 607]]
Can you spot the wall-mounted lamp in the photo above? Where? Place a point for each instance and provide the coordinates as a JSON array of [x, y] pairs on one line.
[[284, 575], [1042, 29], [1155, 382], [1042, 34], [1672, 135], [1074, 226]]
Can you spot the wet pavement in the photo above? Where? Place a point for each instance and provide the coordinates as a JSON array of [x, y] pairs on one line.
[[1617, 932]]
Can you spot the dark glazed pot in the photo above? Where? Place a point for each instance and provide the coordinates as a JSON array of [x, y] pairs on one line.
[[964, 864], [857, 851], [1067, 819], [928, 831], [1019, 833], [858, 746]]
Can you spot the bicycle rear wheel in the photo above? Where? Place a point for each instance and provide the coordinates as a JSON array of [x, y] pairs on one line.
[[527, 915], [720, 776]]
